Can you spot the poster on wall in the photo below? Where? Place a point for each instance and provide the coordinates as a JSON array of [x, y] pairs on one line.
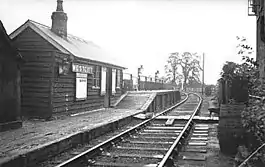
[[103, 80], [113, 81], [81, 86]]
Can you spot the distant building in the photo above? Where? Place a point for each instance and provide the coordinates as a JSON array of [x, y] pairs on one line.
[[63, 73], [10, 60]]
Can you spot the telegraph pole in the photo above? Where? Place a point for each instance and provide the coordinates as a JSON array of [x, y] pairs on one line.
[[202, 72]]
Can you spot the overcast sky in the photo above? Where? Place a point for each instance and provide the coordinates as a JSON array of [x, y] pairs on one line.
[[144, 32]]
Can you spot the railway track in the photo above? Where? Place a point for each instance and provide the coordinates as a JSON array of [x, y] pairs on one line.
[[152, 143]]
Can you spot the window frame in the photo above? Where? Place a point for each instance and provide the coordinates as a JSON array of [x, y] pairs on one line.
[[96, 77]]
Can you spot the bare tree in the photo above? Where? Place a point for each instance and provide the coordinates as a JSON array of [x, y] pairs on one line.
[[184, 66]]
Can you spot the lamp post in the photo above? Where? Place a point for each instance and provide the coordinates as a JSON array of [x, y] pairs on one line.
[[156, 79], [139, 77], [156, 75]]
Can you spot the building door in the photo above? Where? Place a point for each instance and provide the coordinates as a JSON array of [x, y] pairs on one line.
[[106, 86]]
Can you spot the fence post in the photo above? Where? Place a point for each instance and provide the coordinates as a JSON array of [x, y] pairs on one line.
[[145, 81], [131, 81]]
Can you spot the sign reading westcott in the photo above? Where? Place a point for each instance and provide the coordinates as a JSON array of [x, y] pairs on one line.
[[78, 68]]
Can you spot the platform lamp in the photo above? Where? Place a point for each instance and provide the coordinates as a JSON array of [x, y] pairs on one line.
[[156, 75], [65, 65], [140, 69]]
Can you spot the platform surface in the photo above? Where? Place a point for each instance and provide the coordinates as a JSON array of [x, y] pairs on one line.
[[36, 133]]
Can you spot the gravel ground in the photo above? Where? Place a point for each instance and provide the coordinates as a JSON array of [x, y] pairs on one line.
[[214, 157]]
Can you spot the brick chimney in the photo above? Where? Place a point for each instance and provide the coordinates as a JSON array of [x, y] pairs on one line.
[[59, 20]]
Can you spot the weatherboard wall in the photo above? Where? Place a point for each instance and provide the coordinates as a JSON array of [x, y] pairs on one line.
[[30, 40], [9, 83], [43, 90], [36, 73], [36, 81], [64, 97]]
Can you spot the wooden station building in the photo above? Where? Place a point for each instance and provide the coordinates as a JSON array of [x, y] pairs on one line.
[[10, 61], [63, 73]]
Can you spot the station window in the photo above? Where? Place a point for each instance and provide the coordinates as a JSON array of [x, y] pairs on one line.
[[118, 78], [96, 77]]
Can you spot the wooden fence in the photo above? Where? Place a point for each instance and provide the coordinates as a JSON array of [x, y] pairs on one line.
[[237, 89], [130, 83]]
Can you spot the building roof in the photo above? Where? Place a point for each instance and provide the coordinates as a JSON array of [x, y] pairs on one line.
[[7, 42], [69, 45]]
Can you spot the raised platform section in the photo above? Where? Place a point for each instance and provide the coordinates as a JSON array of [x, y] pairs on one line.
[[133, 100]]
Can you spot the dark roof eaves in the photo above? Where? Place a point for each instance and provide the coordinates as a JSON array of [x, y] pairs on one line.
[[101, 62]]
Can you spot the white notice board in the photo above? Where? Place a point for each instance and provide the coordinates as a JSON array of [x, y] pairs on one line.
[[81, 86], [103, 80]]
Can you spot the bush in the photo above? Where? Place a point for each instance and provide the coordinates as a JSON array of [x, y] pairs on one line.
[[208, 90], [253, 116]]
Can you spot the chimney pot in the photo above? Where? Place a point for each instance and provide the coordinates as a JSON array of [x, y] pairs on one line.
[[59, 20]]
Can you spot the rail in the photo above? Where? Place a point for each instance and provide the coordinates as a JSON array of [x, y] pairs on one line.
[[256, 97], [251, 155], [177, 141], [99, 148]]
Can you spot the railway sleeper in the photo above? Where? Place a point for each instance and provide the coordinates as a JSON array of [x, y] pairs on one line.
[[199, 135], [153, 139], [128, 158], [158, 134], [192, 156], [142, 148], [109, 164], [185, 163], [201, 128], [166, 127], [196, 150], [117, 150], [163, 124], [199, 138], [115, 155], [200, 131], [146, 145], [161, 131], [194, 147]]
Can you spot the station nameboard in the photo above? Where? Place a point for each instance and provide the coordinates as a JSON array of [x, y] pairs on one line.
[[82, 68]]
